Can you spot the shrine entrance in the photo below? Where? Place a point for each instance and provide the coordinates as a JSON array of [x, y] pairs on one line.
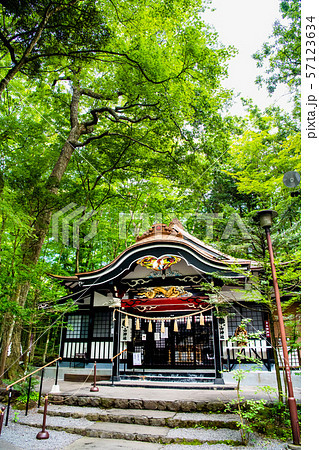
[[189, 346], [148, 311]]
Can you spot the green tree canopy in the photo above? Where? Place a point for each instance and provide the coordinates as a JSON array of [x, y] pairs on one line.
[[281, 56], [107, 116]]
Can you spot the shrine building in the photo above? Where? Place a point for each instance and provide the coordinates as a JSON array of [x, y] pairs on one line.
[[149, 311]]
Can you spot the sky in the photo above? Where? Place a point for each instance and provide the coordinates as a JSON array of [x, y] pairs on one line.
[[246, 24]]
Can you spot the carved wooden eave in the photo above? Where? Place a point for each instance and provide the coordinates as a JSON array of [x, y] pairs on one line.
[[159, 240], [160, 230]]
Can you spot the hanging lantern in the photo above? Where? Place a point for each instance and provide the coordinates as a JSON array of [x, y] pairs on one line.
[[126, 321], [201, 319], [175, 325], [163, 327], [137, 325], [189, 325], [150, 327]]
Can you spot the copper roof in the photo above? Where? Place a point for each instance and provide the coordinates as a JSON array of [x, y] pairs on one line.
[[172, 233]]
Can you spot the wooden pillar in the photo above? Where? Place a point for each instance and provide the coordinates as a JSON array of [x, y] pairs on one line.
[[89, 357], [116, 346], [216, 344]]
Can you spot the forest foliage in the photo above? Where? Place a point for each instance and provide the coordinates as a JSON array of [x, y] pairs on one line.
[[118, 108]]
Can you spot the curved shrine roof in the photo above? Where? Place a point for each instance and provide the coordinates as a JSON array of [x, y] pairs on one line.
[[160, 240]]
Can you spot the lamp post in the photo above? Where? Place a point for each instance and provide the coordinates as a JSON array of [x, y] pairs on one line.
[[265, 219]]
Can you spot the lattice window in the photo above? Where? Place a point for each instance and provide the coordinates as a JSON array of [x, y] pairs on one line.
[[257, 323], [293, 355], [102, 324], [78, 327], [160, 341]]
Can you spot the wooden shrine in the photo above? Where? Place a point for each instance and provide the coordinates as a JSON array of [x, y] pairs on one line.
[[150, 306]]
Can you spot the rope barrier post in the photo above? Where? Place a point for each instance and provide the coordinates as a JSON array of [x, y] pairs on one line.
[[2, 417], [28, 397], [8, 407], [94, 388], [44, 434], [40, 390]]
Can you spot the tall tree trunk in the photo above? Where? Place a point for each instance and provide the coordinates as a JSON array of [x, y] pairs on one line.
[[7, 331], [13, 361], [34, 338], [27, 352], [46, 348], [32, 246]]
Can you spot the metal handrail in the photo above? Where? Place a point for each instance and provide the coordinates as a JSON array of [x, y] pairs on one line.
[[112, 359], [32, 373]]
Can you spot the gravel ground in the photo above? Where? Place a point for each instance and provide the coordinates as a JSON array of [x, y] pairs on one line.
[[17, 436]]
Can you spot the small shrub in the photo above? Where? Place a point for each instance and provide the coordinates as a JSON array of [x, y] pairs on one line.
[[23, 387], [272, 420], [33, 397]]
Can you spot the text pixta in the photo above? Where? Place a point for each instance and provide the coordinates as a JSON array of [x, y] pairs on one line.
[[311, 116]]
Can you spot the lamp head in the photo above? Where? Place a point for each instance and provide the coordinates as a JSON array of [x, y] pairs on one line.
[[265, 217]]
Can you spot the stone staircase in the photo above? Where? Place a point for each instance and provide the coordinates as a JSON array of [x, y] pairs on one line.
[[148, 421], [170, 377]]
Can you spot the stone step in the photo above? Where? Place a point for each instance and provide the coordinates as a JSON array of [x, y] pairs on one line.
[[169, 419], [135, 432], [166, 372], [170, 378], [112, 444], [138, 403], [170, 383]]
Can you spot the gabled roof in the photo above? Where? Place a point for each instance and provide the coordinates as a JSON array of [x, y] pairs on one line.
[[160, 240]]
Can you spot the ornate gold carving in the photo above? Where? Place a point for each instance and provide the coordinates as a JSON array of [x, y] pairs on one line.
[[145, 308], [172, 291], [162, 263]]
